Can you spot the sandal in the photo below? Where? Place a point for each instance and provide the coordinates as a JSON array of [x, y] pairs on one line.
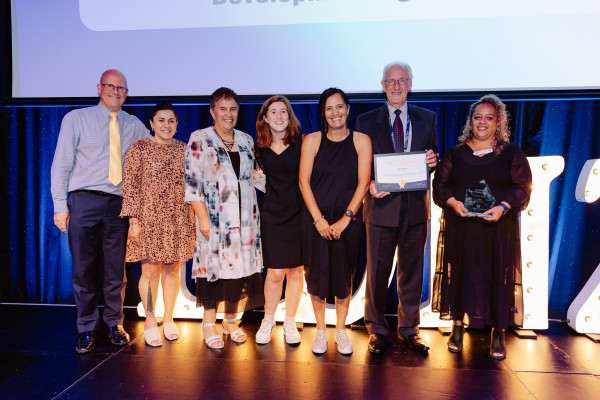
[[497, 345], [455, 342], [237, 335], [212, 341], [170, 330], [152, 336]]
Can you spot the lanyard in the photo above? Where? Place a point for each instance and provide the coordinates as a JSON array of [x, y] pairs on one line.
[[407, 130]]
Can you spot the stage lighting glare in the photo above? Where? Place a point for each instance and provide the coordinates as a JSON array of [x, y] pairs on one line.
[[534, 251]]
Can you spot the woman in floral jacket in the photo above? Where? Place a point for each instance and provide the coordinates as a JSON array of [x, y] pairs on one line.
[[227, 261]]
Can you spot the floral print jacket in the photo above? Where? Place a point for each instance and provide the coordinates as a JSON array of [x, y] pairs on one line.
[[233, 249]]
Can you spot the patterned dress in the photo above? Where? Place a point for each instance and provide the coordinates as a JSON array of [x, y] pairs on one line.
[[228, 265], [154, 192]]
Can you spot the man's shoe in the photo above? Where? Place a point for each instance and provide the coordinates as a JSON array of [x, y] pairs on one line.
[[86, 342], [118, 336], [416, 343], [376, 343]]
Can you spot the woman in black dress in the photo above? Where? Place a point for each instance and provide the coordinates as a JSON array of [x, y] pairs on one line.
[[335, 171], [277, 152], [479, 257]]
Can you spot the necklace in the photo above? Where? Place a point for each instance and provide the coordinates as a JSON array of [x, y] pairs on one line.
[[482, 152], [227, 143]]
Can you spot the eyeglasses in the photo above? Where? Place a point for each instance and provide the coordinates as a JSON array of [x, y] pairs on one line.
[[400, 81], [120, 89]]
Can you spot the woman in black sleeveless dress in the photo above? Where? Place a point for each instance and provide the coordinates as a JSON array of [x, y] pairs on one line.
[[335, 171], [277, 152]]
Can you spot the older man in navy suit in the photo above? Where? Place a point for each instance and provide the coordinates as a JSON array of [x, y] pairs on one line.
[[397, 220]]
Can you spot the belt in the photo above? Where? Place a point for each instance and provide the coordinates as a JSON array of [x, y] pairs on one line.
[[95, 192]]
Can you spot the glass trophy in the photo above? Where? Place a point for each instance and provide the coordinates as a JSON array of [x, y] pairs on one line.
[[479, 199]]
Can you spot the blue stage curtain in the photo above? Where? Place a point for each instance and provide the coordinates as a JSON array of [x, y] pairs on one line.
[[36, 263]]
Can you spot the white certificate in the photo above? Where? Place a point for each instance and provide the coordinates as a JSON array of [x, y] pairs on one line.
[[399, 172]]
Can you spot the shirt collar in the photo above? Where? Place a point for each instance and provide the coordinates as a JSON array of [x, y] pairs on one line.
[[105, 111], [391, 109]]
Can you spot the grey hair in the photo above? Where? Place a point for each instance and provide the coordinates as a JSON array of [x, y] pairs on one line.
[[401, 64]]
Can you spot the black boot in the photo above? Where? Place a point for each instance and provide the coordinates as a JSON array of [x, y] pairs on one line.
[[497, 346], [455, 342]]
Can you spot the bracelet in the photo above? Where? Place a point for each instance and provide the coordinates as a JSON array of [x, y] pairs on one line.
[[505, 208], [318, 219]]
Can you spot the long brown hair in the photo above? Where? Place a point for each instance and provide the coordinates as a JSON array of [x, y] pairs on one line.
[[263, 132]]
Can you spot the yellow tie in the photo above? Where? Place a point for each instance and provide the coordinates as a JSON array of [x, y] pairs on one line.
[[115, 172]]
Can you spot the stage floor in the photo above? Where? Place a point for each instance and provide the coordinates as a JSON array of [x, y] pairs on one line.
[[38, 361]]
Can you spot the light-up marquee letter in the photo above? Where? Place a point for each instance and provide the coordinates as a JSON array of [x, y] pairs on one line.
[[534, 252], [584, 312]]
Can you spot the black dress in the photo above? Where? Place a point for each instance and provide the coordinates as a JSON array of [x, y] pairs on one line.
[[330, 264], [479, 262], [280, 208]]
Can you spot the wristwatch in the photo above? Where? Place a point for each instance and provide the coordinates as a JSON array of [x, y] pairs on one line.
[[350, 214], [505, 208]]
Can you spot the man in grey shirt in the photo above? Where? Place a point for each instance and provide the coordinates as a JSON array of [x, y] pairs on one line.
[[89, 203]]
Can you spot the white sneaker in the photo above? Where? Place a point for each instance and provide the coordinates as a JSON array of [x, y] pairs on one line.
[[292, 336], [319, 344], [344, 345], [263, 336]]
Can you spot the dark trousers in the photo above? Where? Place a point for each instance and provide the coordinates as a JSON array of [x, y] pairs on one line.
[[97, 239], [382, 242]]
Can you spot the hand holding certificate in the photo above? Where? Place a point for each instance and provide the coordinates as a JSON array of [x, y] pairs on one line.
[[399, 172]]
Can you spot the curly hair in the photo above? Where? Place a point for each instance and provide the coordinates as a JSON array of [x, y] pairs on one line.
[[502, 134], [263, 132], [323, 101]]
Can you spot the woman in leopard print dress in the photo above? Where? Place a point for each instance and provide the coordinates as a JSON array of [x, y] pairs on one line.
[[161, 225]]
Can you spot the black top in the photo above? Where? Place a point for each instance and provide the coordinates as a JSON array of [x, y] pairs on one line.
[[234, 156], [280, 208], [330, 264]]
